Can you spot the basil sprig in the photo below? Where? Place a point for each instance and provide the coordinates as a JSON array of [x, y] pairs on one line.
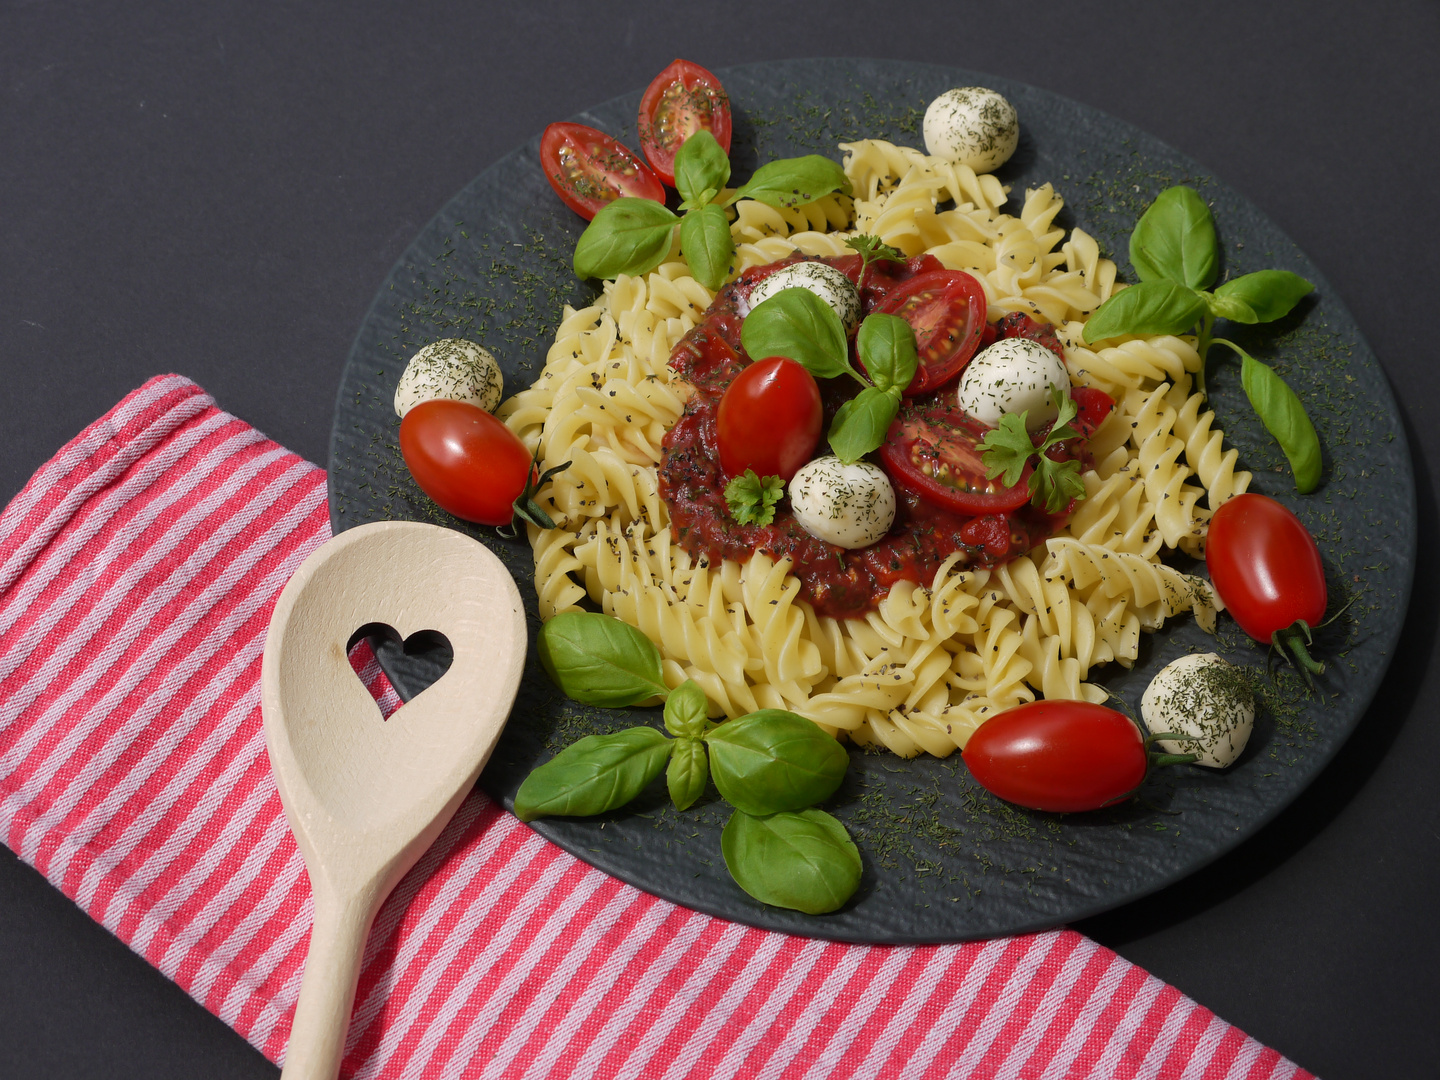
[[771, 765], [633, 236], [1174, 251], [798, 324]]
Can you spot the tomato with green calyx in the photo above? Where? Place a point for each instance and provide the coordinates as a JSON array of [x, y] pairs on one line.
[[1266, 567], [471, 464], [589, 170], [946, 309], [934, 452], [682, 99], [1062, 756], [769, 419]]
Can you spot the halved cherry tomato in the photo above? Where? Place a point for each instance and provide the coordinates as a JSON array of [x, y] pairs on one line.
[[1062, 756], [589, 169], [1266, 567], [466, 460], [769, 419], [683, 99], [946, 309], [935, 452]]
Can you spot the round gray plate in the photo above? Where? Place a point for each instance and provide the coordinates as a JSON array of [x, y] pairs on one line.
[[944, 861]]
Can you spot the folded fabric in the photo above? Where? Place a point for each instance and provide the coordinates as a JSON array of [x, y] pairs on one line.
[[138, 570]]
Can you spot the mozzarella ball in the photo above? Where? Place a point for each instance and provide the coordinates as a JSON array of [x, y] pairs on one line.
[[973, 126], [1014, 375], [1206, 698], [851, 506], [826, 282], [455, 369]]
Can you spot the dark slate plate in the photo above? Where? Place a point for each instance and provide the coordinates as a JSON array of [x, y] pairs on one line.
[[944, 861]]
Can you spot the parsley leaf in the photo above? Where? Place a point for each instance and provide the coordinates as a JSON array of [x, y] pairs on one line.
[[873, 249], [752, 498], [1008, 448]]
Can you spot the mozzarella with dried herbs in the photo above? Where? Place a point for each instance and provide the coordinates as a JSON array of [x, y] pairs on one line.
[[1014, 375], [1206, 699], [972, 126], [850, 506], [824, 280], [453, 368]]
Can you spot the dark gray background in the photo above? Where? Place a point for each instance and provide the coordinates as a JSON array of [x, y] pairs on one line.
[[220, 192]]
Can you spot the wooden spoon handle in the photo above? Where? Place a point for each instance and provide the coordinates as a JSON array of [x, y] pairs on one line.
[[327, 990]]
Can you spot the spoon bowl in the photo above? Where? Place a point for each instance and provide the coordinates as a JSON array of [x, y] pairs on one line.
[[365, 796]]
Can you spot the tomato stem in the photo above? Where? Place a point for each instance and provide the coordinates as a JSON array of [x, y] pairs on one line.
[[1292, 642], [526, 508]]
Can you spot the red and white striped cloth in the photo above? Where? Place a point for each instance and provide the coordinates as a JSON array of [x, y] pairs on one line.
[[137, 574]]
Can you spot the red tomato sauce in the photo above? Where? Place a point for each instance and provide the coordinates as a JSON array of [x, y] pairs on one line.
[[840, 582]]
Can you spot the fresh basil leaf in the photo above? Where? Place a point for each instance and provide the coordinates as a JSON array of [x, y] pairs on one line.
[[705, 240], [685, 711], [627, 236], [1263, 296], [805, 861], [700, 163], [687, 772], [795, 181], [798, 324], [595, 774], [860, 425], [1174, 240], [599, 660], [773, 760], [1152, 307], [1285, 418], [886, 344]]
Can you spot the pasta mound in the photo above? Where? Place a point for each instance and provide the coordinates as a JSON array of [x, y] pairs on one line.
[[921, 672]]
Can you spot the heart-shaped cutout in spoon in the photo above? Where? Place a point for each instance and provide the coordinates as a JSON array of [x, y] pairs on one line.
[[364, 799]]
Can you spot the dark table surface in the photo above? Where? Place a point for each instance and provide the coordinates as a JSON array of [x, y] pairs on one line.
[[216, 192]]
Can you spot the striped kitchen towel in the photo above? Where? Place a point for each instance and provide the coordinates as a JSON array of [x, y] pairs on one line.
[[138, 570]]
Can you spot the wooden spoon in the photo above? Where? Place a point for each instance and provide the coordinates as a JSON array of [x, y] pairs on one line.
[[366, 796]]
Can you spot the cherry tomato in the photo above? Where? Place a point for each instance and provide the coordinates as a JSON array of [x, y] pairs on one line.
[[683, 99], [1018, 324], [1062, 756], [1266, 567], [589, 169], [769, 419], [1092, 406], [935, 453], [466, 460], [946, 309]]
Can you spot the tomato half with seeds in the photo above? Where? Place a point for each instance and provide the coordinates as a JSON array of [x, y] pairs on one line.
[[682, 99], [469, 462], [1061, 756], [946, 309], [769, 419], [589, 169], [935, 453]]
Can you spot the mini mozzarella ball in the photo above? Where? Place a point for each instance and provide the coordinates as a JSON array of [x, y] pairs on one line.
[[850, 506], [973, 126], [1206, 698], [454, 369], [1014, 375], [826, 282]]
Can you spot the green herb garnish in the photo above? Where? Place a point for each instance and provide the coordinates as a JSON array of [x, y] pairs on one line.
[[771, 765], [1008, 449], [1173, 249], [752, 498], [632, 236]]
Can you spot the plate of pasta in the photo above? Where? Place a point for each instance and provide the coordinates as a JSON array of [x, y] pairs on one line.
[[1092, 612]]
